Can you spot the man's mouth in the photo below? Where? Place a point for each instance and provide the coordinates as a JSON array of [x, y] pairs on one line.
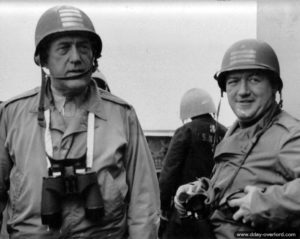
[[245, 102], [74, 72]]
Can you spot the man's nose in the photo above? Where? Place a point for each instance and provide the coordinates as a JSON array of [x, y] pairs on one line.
[[243, 87], [74, 54]]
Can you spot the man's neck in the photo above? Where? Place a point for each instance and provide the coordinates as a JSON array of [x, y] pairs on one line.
[[61, 99], [265, 114]]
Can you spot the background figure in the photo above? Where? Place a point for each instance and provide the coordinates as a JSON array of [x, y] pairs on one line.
[[255, 186], [74, 162], [189, 156], [100, 80]]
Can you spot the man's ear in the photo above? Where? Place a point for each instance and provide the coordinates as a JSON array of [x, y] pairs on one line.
[[275, 87]]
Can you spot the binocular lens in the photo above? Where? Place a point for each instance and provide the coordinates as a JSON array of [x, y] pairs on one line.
[[94, 206], [56, 189]]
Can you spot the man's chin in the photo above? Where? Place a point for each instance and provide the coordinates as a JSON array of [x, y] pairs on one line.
[[243, 114], [77, 86], [73, 87], [248, 119]]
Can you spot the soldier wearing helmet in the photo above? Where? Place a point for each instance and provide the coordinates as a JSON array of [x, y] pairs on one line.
[[189, 156], [74, 162], [254, 187]]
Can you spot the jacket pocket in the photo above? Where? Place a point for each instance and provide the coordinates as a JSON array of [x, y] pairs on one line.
[[113, 192]]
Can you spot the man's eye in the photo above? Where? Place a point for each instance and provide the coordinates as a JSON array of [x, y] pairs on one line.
[[84, 48], [231, 81], [62, 49], [254, 79]]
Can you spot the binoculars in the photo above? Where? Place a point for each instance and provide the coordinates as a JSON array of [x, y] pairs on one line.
[[69, 177], [199, 215], [195, 205]]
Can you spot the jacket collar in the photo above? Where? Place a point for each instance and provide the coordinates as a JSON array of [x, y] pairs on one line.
[[239, 140], [265, 121], [203, 117], [93, 102]]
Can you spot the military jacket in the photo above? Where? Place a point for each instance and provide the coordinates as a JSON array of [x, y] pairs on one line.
[[272, 165], [122, 161]]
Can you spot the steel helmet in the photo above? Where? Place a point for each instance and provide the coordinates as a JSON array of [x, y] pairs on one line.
[[60, 20], [249, 54], [196, 102]]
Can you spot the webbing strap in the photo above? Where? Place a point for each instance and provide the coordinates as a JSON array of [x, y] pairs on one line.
[[90, 140]]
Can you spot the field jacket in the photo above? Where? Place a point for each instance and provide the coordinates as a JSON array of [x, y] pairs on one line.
[[122, 161], [273, 165]]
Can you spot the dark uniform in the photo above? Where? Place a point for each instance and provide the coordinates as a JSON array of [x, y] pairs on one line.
[[190, 156]]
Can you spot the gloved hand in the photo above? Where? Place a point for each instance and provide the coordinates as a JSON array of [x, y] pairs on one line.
[[184, 193]]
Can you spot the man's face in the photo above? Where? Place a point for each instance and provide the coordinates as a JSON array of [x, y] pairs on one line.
[[69, 56], [249, 94]]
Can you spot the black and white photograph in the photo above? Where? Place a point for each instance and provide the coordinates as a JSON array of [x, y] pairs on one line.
[[141, 119]]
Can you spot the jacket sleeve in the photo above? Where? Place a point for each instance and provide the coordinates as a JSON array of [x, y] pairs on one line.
[[279, 205], [144, 203], [169, 179], [5, 164]]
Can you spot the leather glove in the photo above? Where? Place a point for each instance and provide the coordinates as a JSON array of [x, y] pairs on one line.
[[184, 193]]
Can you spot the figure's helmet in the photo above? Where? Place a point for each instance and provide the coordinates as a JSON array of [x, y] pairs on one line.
[[100, 79], [249, 54], [196, 102], [61, 20]]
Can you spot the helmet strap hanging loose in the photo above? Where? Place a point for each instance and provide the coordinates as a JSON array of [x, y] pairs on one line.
[[41, 107], [216, 123], [280, 100]]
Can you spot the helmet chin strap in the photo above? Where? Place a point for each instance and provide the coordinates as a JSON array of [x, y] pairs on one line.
[[216, 116], [41, 107], [87, 72], [280, 103], [73, 77]]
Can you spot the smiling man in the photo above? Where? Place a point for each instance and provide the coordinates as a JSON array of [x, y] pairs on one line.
[[74, 162], [255, 186], [250, 93]]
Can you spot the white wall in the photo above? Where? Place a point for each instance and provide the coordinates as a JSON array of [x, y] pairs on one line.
[[279, 24], [153, 51]]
